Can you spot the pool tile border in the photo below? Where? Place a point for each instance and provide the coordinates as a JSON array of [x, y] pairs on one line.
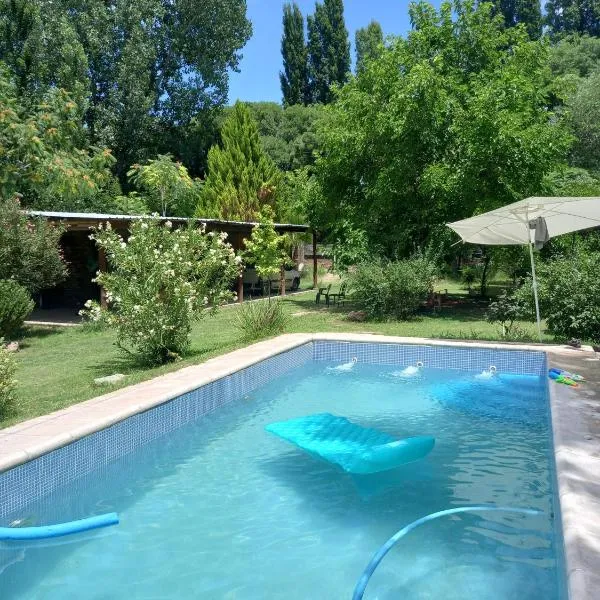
[[575, 425]]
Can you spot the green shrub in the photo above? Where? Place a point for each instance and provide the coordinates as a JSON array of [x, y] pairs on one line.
[[392, 289], [159, 282], [506, 310], [468, 276], [260, 318], [15, 306], [569, 293], [29, 249], [8, 383]]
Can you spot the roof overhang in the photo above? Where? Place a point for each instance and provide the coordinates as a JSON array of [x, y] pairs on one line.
[[86, 221]]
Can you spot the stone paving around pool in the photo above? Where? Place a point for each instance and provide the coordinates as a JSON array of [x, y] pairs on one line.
[[576, 427], [575, 423]]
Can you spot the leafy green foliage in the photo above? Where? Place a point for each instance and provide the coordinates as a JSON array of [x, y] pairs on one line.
[[15, 306], [527, 12], [29, 249], [241, 177], [571, 181], [160, 282], [569, 293], [468, 276], [298, 193], [584, 113], [394, 289], [294, 78], [168, 185], [575, 55], [8, 383], [42, 52], [573, 16], [288, 135], [260, 319], [368, 42], [132, 204], [42, 156], [506, 310], [139, 70], [328, 50], [453, 120], [266, 249]]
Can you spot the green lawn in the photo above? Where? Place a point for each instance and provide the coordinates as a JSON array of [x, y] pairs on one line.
[[57, 366]]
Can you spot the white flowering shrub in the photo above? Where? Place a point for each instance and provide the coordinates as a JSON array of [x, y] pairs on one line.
[[8, 383], [159, 282]]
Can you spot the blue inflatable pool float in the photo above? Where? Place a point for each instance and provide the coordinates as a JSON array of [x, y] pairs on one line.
[[52, 531], [354, 448]]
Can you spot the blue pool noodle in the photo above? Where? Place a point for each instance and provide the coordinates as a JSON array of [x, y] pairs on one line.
[[359, 590], [51, 531]]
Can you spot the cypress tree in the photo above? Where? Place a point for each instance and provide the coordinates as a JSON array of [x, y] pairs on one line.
[[294, 78], [527, 12], [241, 177], [369, 42], [328, 50], [573, 16]]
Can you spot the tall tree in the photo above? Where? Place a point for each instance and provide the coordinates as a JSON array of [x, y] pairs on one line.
[[369, 44], [42, 52], [288, 135], [584, 115], [44, 157], [147, 67], [294, 78], [328, 50], [576, 54], [241, 177], [454, 119], [527, 12], [573, 16]]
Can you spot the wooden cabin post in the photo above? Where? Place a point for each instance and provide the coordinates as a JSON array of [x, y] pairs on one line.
[[240, 287], [315, 266]]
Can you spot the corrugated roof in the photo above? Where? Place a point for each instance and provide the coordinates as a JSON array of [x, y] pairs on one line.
[[100, 217]]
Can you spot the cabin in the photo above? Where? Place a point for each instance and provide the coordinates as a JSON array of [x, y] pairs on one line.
[[85, 258]]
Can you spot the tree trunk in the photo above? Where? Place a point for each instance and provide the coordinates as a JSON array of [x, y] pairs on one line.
[[486, 264], [282, 281]]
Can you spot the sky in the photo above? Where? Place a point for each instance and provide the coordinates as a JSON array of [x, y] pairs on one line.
[[258, 78]]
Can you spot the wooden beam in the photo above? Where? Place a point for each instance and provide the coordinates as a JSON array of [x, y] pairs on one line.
[[314, 236], [240, 288]]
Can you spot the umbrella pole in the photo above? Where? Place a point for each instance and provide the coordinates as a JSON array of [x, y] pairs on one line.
[[535, 292]]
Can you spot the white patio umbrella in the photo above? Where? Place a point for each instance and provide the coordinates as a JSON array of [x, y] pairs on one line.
[[529, 221]]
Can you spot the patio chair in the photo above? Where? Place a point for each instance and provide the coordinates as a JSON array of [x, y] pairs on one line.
[[323, 291], [338, 296]]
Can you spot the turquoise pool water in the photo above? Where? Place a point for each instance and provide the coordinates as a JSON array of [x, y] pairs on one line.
[[222, 509]]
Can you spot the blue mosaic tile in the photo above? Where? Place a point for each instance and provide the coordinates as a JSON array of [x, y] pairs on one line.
[[520, 362]]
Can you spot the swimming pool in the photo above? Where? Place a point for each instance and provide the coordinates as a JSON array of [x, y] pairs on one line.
[[212, 506]]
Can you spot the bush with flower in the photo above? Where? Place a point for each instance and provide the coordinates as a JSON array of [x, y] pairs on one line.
[[160, 280], [8, 384]]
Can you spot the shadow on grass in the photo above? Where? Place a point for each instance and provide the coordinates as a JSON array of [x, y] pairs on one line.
[[40, 331], [131, 364], [30, 334], [456, 308]]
